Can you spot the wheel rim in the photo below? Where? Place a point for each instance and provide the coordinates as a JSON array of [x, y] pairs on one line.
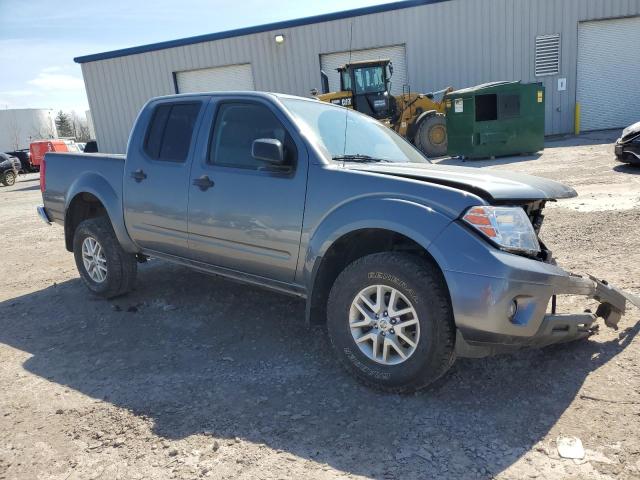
[[10, 178], [95, 262], [384, 325], [437, 135]]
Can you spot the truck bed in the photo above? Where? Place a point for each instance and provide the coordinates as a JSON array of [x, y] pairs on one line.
[[64, 170]]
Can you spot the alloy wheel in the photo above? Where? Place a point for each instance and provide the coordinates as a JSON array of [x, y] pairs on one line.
[[95, 262], [384, 324]]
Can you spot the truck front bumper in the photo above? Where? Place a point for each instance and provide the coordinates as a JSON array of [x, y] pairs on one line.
[[552, 328], [502, 301]]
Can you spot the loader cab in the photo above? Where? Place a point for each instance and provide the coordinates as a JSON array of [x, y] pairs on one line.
[[369, 83]]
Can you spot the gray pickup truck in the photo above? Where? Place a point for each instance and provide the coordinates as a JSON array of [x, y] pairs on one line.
[[408, 264]]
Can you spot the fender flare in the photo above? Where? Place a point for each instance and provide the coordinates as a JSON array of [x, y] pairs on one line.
[[100, 188], [413, 128], [392, 214]]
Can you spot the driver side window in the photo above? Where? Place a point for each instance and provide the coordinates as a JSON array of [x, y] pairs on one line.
[[236, 127]]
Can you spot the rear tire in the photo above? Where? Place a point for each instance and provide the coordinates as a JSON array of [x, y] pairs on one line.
[[431, 136], [105, 268], [428, 344], [9, 179]]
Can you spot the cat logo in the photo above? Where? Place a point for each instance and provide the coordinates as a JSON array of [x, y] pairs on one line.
[[345, 102]]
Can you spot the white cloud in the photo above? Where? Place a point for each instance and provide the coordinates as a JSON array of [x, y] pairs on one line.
[[57, 81], [54, 68], [18, 93]]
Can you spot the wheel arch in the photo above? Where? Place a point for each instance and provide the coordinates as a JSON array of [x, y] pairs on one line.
[[91, 196], [405, 226]]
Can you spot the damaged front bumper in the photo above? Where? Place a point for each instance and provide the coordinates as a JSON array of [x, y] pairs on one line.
[[502, 302], [553, 327]]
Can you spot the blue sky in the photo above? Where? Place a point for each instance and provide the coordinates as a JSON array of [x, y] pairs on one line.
[[40, 38]]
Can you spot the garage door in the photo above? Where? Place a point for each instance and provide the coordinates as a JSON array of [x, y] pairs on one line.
[[609, 73], [331, 61], [232, 77]]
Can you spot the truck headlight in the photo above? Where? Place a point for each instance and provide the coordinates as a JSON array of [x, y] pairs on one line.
[[507, 227]]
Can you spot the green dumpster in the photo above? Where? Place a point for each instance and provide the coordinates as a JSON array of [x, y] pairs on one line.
[[495, 119]]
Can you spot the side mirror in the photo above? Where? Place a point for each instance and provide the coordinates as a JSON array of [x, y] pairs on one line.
[[268, 150], [390, 69]]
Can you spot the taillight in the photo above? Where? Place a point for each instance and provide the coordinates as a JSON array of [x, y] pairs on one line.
[[43, 181]]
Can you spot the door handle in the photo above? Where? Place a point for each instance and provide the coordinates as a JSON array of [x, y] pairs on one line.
[[203, 182], [138, 175]]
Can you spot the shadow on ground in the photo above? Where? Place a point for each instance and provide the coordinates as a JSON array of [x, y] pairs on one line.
[[19, 188], [599, 137], [625, 168], [196, 353], [487, 162]]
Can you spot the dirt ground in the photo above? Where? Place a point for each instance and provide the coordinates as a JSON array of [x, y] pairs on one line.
[[197, 377]]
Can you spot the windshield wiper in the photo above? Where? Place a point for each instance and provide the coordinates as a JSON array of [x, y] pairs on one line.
[[358, 158]]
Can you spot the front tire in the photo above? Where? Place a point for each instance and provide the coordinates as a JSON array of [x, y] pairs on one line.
[[9, 179], [105, 268], [390, 322]]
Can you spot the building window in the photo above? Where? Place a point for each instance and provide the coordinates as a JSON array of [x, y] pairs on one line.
[[547, 55]]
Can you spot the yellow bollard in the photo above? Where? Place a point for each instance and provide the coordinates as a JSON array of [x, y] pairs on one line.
[[576, 120]]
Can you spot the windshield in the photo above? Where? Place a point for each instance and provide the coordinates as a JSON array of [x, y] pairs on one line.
[[366, 139], [369, 80]]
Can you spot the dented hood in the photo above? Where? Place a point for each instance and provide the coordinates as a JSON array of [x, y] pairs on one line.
[[492, 185]]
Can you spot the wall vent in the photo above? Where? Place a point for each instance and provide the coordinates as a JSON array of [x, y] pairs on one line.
[[547, 55]]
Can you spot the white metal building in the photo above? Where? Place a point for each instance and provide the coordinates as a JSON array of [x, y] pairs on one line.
[[582, 50], [20, 126]]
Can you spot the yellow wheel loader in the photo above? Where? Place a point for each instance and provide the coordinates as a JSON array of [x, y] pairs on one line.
[[365, 87]]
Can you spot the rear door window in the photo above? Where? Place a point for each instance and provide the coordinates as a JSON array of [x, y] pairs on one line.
[[170, 131]]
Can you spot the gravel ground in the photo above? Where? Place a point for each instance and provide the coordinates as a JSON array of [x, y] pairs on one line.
[[193, 376]]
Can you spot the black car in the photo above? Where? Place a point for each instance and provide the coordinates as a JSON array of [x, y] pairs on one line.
[[25, 160], [91, 147], [9, 168], [627, 147]]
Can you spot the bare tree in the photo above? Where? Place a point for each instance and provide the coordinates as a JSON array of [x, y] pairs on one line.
[[80, 127], [42, 132]]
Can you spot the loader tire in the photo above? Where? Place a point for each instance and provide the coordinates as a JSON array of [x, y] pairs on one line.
[[431, 136]]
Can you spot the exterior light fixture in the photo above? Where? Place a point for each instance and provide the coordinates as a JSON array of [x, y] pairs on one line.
[[279, 39]]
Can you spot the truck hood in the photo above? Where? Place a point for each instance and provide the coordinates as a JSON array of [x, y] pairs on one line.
[[497, 186]]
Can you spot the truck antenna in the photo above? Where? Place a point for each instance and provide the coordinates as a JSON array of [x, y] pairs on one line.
[[346, 113]]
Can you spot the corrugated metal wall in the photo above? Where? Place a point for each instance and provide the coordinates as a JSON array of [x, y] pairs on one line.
[[459, 43]]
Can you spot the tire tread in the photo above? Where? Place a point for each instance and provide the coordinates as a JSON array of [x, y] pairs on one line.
[[428, 149], [431, 278], [123, 266]]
